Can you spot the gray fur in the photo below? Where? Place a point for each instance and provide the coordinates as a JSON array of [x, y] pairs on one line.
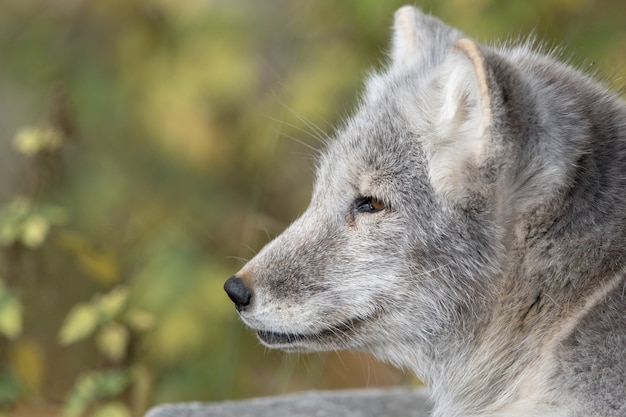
[[497, 269]]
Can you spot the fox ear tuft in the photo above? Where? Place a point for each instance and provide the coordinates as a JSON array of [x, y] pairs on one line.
[[404, 34], [418, 37], [461, 141]]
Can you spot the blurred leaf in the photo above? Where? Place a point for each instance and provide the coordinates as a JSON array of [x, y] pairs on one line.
[[83, 319], [29, 364], [112, 303], [34, 232], [110, 383], [94, 386], [112, 341], [23, 221], [11, 217], [10, 313], [30, 140], [112, 409], [11, 318], [74, 406], [80, 322], [139, 320]]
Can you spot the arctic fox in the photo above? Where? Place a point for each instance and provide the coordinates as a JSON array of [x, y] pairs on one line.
[[467, 223]]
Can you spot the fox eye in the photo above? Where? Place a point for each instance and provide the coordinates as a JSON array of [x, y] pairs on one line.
[[368, 205]]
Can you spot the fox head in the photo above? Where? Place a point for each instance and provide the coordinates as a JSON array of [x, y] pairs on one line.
[[418, 205]]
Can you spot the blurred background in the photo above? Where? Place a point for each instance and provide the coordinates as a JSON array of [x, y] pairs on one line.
[[149, 147]]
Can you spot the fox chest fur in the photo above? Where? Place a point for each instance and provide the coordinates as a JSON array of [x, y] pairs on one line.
[[467, 223]]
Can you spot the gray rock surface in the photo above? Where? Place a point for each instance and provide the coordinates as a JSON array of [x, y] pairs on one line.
[[396, 402]]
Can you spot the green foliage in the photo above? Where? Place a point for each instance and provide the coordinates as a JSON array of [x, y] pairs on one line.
[[109, 316], [80, 323], [94, 386], [146, 147], [10, 389], [21, 221], [10, 313], [112, 409], [32, 140]]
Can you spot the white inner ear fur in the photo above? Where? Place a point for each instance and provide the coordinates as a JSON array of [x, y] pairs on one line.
[[466, 87], [462, 124]]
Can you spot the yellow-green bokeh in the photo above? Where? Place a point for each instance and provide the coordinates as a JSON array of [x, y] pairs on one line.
[[187, 146]]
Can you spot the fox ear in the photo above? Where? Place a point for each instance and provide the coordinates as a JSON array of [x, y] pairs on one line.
[[466, 93], [461, 143], [421, 38]]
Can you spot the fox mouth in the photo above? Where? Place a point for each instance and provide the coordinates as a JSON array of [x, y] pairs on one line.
[[275, 338], [341, 331]]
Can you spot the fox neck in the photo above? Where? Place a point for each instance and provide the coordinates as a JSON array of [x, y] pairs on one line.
[[483, 367], [500, 361]]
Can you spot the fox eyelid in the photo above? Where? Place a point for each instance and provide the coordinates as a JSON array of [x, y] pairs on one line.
[[368, 204]]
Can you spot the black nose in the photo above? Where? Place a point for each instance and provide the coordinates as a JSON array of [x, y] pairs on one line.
[[237, 291]]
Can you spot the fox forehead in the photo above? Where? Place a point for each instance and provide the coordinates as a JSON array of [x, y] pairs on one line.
[[352, 169], [375, 154]]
